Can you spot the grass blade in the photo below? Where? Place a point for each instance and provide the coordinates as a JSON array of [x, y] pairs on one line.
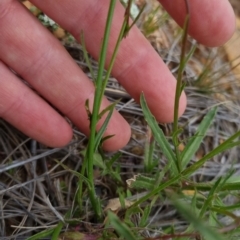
[[149, 162], [157, 190], [222, 147], [158, 134], [209, 185], [120, 227], [86, 57], [57, 231], [206, 231], [208, 201], [40, 235], [103, 127], [194, 144]]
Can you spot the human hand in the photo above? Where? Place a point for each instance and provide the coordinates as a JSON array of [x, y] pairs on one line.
[[32, 52]]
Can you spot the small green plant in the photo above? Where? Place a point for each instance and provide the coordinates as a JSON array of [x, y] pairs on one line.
[[96, 137], [175, 178], [199, 204]]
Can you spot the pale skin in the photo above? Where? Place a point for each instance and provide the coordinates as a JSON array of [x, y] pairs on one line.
[[32, 52]]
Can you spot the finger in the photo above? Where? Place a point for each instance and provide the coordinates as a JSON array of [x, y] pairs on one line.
[[138, 67], [41, 60], [212, 22], [33, 116]]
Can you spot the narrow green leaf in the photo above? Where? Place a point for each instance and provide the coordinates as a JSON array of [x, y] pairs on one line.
[[114, 158], [127, 17], [197, 223], [183, 86], [120, 227], [189, 55], [158, 134], [98, 161], [208, 186], [145, 216], [86, 56], [106, 138], [193, 205], [208, 201], [221, 210], [222, 147], [225, 208], [88, 109], [128, 217], [107, 109], [57, 231], [143, 182], [103, 127], [122, 200], [157, 190], [225, 179], [43, 234], [234, 179], [195, 142], [176, 134], [149, 162]]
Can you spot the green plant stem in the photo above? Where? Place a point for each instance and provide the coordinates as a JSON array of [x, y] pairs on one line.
[[104, 84], [180, 72], [179, 89], [96, 107], [123, 33], [157, 190], [99, 92]]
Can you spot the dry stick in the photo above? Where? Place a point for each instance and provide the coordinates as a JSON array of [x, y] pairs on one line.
[[20, 162], [30, 205], [2, 223]]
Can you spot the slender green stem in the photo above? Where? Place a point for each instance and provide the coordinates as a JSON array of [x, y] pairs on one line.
[[179, 89], [122, 31], [179, 77], [99, 92], [96, 108], [157, 190], [181, 68]]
